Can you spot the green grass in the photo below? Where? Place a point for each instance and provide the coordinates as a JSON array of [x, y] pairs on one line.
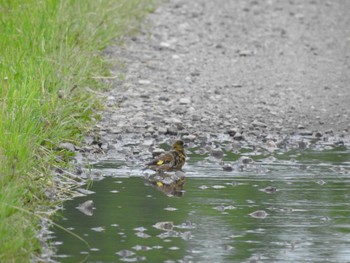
[[49, 56]]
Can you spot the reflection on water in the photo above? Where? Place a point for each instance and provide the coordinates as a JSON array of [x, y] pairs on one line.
[[305, 201]]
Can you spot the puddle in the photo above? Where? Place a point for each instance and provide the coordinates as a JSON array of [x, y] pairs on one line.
[[289, 207]]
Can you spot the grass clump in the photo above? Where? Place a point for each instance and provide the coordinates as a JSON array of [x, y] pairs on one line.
[[49, 56]]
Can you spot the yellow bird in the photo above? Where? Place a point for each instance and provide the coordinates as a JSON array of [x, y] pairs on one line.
[[169, 161]]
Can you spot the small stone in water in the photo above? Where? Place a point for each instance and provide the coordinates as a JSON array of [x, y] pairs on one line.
[[142, 235], [98, 229], [233, 183], [142, 248], [157, 247], [223, 208], [259, 214], [134, 259], [321, 182], [125, 253], [187, 225], [164, 225], [86, 207], [287, 210], [141, 229], [217, 153], [246, 160], [218, 186], [170, 208], [227, 168], [269, 189], [118, 182]]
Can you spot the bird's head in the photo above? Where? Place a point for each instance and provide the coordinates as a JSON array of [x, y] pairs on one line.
[[178, 145]]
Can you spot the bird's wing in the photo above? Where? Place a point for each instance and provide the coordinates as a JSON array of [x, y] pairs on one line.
[[164, 158]]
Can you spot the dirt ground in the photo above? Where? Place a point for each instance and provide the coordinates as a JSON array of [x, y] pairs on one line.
[[251, 69]]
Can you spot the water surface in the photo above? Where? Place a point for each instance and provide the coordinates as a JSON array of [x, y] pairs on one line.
[[303, 199]]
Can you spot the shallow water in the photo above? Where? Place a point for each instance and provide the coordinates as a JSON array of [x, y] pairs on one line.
[[304, 195]]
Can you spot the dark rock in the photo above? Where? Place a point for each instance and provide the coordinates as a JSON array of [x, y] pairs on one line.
[[232, 132], [246, 159], [227, 168], [162, 98], [318, 134], [171, 131], [238, 137], [269, 189], [306, 133], [167, 226], [217, 153], [259, 214], [302, 145], [329, 131]]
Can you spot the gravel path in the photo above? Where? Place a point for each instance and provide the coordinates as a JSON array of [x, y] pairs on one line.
[[253, 70]]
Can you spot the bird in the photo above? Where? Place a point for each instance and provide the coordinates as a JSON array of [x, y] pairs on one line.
[[169, 161]]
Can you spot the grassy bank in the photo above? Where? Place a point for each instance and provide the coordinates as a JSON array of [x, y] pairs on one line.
[[49, 56]]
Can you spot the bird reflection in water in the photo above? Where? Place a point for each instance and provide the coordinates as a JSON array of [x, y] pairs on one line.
[[171, 184]]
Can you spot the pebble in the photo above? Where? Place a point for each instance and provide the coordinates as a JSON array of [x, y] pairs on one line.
[[171, 131], [238, 137], [147, 142], [67, 146], [318, 134], [269, 189], [306, 133], [329, 131], [232, 132], [259, 214], [185, 101], [190, 137], [259, 124], [144, 81], [227, 168], [196, 117], [246, 159], [167, 226], [86, 207]]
